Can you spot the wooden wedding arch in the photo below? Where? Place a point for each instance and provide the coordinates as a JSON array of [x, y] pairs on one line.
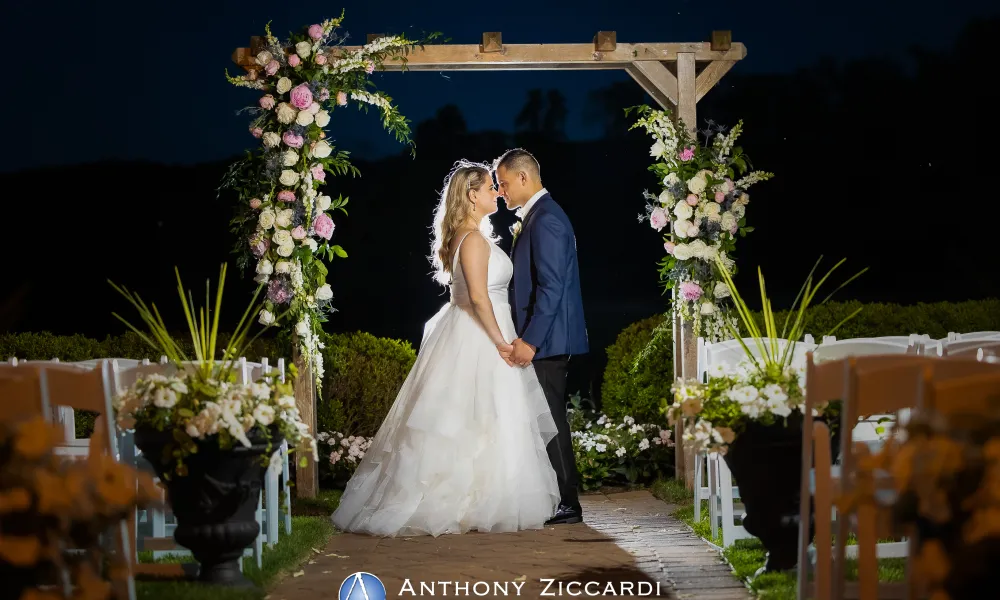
[[676, 75]]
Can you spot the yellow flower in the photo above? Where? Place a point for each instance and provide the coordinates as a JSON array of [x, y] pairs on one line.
[[52, 496], [691, 407], [15, 500], [35, 439], [932, 562], [115, 485], [728, 435], [20, 551]]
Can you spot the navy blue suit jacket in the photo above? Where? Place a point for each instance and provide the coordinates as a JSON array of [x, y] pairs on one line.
[[545, 289]]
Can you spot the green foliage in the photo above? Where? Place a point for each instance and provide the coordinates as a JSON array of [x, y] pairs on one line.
[[640, 362], [610, 452], [361, 382], [639, 371]]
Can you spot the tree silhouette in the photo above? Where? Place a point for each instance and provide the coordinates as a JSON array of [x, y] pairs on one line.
[[606, 106], [554, 121], [530, 117]]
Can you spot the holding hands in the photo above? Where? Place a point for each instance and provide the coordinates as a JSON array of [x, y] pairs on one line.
[[519, 353]]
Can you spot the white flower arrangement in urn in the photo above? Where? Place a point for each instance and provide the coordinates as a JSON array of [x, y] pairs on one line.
[[206, 401]]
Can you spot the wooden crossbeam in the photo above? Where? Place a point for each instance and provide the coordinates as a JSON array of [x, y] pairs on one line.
[[657, 80], [710, 75], [469, 57]]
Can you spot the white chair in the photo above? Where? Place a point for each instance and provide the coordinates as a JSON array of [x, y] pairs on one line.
[[970, 348], [972, 336]]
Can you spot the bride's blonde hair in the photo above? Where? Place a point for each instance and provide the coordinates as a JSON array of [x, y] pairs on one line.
[[452, 210]]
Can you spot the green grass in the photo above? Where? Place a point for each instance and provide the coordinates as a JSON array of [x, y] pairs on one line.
[[311, 529], [748, 555]]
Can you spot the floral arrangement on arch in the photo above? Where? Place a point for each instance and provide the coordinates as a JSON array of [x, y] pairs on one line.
[[284, 220], [703, 200], [766, 387]]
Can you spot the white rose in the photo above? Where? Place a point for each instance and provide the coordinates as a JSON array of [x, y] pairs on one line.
[[192, 431], [264, 267], [286, 113], [738, 210], [304, 118], [323, 203], [284, 84], [302, 328], [266, 219], [324, 292], [728, 221], [707, 308], [303, 49], [284, 218], [310, 243], [266, 318], [286, 250], [657, 149], [721, 290], [314, 108], [671, 179], [321, 149], [282, 237], [692, 230], [289, 158], [263, 414], [322, 118], [683, 211], [698, 248], [261, 279], [666, 198], [282, 266], [697, 184], [264, 57], [681, 229], [683, 252], [271, 139], [712, 210], [288, 177]]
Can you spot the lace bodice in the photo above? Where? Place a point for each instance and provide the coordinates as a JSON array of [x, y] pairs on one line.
[[499, 272]]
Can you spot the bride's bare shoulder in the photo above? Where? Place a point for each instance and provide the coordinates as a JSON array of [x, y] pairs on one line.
[[456, 240]]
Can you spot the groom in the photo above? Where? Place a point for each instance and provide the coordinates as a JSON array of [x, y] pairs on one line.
[[547, 304]]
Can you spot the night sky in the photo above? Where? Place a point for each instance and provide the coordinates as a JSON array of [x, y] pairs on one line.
[[144, 81]]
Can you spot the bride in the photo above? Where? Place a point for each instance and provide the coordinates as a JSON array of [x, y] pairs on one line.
[[463, 446]]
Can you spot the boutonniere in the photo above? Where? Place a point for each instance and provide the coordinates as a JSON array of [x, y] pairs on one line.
[[516, 229]]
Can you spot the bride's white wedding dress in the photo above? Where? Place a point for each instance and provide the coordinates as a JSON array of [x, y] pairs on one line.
[[463, 446]]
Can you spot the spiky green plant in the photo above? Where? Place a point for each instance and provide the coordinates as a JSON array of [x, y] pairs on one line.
[[203, 325], [771, 359]]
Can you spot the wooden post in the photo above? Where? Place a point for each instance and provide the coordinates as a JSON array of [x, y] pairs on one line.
[[686, 348], [306, 478], [492, 42]]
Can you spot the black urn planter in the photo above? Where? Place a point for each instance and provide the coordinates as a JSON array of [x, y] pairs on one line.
[[766, 462], [216, 502]]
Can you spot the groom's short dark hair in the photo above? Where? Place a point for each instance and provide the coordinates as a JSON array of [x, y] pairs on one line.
[[519, 159]]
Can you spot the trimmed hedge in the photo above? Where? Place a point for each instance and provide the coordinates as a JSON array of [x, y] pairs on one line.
[[640, 362], [363, 372], [363, 376]]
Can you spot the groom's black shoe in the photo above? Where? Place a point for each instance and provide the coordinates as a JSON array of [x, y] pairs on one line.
[[566, 515]]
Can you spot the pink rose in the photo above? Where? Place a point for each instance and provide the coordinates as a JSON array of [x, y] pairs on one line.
[[259, 245], [658, 218], [294, 60], [370, 67], [255, 203], [316, 31], [286, 196], [720, 197], [320, 59], [256, 132], [324, 226], [324, 95], [687, 154], [301, 96], [692, 200], [690, 291], [669, 247], [267, 102], [317, 172], [272, 67], [291, 140], [729, 186], [298, 233], [342, 98]]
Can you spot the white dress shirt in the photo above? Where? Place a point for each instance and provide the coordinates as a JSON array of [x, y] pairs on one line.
[[531, 202]]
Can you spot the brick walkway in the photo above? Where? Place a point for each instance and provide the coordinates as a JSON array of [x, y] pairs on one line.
[[629, 541]]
